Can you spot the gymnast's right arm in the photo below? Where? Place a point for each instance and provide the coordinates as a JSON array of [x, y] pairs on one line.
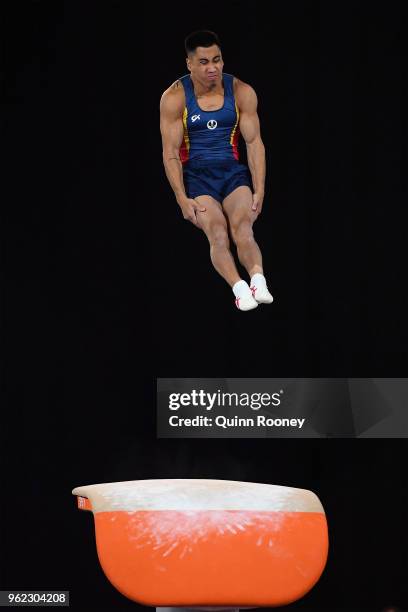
[[172, 130]]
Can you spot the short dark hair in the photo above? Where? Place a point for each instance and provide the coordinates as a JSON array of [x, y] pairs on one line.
[[200, 38]]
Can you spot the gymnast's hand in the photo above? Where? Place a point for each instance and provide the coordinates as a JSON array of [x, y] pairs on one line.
[[257, 201], [189, 208]]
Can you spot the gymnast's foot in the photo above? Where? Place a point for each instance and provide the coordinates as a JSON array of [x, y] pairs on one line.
[[260, 290], [244, 299]]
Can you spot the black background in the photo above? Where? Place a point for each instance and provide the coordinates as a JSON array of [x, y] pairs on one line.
[[108, 287]]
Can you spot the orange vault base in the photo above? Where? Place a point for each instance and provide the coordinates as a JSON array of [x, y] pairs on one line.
[[186, 543]]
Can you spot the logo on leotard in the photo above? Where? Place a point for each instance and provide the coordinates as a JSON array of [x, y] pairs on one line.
[[195, 117], [212, 124]]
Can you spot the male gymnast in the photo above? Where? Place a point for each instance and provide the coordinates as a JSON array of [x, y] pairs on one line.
[[201, 117]]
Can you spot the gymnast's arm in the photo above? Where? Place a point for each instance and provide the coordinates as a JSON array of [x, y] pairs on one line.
[[171, 127], [250, 129], [172, 131]]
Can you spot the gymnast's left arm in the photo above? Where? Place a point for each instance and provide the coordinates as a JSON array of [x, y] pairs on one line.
[[247, 103]]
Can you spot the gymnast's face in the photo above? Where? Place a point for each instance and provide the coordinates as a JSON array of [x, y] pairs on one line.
[[205, 65]]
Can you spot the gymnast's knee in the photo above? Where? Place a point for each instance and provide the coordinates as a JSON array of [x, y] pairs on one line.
[[218, 237], [242, 234]]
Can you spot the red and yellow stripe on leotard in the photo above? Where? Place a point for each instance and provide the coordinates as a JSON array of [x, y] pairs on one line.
[[185, 147], [235, 135]]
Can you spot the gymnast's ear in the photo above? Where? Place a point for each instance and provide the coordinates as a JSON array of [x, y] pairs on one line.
[[188, 61]]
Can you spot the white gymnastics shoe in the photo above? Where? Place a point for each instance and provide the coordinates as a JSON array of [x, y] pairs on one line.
[[259, 289], [244, 299]]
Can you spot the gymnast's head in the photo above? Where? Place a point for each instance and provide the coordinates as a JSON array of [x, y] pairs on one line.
[[204, 58]]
